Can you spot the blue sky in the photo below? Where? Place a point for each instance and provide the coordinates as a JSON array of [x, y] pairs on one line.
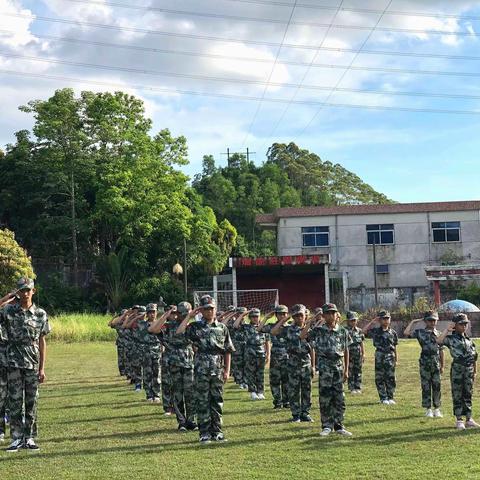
[[410, 156]]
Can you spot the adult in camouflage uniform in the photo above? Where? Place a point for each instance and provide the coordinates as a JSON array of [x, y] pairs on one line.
[[213, 346], [238, 356], [431, 362], [149, 351], [134, 346], [26, 326], [331, 342], [463, 370], [385, 341], [256, 354], [301, 364], [116, 324], [278, 371], [180, 364], [356, 353]]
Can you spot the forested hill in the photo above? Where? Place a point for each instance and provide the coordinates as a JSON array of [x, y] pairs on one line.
[[290, 177]]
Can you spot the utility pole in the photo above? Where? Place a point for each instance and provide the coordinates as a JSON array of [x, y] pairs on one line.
[[375, 270], [247, 154]]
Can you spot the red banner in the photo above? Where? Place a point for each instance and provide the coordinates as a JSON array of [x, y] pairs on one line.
[[245, 262]]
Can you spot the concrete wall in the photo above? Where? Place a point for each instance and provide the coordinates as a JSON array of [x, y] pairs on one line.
[[412, 249]]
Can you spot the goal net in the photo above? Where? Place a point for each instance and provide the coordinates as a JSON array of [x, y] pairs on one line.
[[264, 299]]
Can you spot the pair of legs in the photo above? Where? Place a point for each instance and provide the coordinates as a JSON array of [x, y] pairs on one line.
[[255, 373], [209, 403], [355, 370], [430, 382], [278, 375], [385, 375], [151, 373], [300, 389], [332, 398], [183, 395]]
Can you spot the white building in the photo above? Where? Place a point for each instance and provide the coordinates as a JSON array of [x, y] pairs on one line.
[[404, 238]]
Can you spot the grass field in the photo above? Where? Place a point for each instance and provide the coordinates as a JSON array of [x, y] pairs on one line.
[[93, 426], [81, 327]]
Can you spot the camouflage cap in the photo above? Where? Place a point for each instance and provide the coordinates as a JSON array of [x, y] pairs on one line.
[[207, 301], [151, 307], [241, 309], [184, 308], [352, 315], [255, 312], [281, 309], [430, 315], [318, 310], [136, 307], [298, 308], [383, 314], [460, 318], [25, 283], [141, 309], [329, 307], [231, 308]]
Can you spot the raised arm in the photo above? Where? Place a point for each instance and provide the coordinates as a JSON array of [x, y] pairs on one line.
[[278, 326], [407, 332], [159, 322], [239, 319], [267, 317], [8, 298], [448, 330], [183, 326], [368, 326]]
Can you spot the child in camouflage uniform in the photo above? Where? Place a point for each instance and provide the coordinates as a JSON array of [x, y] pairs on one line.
[[238, 356], [256, 354], [463, 370], [385, 341], [278, 371], [331, 342], [356, 353], [301, 364], [431, 362]]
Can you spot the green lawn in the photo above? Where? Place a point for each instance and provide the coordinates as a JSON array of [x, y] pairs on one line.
[[93, 426]]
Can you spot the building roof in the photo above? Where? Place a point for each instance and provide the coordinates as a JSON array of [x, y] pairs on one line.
[[272, 218]]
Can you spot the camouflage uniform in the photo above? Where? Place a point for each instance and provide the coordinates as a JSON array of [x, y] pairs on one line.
[[3, 374], [238, 356], [464, 355], [133, 367], [24, 329], [279, 370], [179, 352], [120, 343], [385, 342], [167, 395], [254, 358], [299, 371], [149, 353], [330, 346], [429, 367], [355, 358], [211, 342]]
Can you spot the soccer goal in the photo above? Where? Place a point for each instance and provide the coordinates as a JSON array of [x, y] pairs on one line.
[[264, 299]]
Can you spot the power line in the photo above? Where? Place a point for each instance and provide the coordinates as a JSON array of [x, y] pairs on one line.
[[278, 3], [350, 67], [305, 73], [245, 81], [255, 115], [160, 32], [232, 96], [270, 20], [248, 59]]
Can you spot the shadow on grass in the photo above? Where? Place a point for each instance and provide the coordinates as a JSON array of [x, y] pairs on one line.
[[122, 418], [125, 404]]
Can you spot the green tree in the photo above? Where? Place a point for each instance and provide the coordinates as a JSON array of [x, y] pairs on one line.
[[14, 262]]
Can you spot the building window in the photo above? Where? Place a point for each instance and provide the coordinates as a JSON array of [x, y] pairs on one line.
[[315, 236], [380, 234], [446, 231], [382, 269]]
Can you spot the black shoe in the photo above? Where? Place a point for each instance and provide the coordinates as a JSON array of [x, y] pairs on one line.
[[205, 439], [295, 419], [192, 426], [306, 418], [31, 445], [182, 428], [277, 407], [286, 405], [15, 446]]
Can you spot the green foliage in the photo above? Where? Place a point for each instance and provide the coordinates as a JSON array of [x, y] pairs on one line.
[[81, 327], [470, 293], [14, 262], [91, 181], [291, 177]]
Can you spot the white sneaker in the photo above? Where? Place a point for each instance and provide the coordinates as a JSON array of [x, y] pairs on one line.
[[385, 402], [392, 401], [2, 437], [459, 425], [437, 413], [429, 413], [471, 423], [353, 392], [156, 400], [359, 392], [15, 446], [253, 396], [260, 396], [326, 432], [150, 400], [344, 432]]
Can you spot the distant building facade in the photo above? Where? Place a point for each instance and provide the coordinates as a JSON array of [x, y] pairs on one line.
[[405, 239]]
